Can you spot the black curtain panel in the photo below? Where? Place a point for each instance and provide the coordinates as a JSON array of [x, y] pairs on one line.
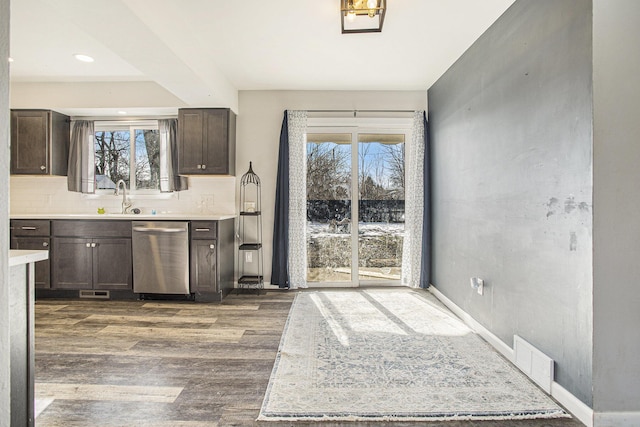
[[425, 268], [279, 261]]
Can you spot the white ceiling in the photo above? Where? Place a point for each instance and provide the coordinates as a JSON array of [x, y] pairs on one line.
[[203, 51]]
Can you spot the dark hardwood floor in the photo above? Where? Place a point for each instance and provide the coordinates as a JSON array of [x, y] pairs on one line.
[[166, 364]]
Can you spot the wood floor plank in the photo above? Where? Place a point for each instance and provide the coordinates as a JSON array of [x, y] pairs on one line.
[[129, 319], [49, 308], [58, 322], [203, 308], [66, 413], [178, 334], [81, 345], [246, 353], [103, 392], [62, 331]]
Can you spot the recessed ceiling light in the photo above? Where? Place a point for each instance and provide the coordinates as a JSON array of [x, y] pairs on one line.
[[122, 112], [83, 58], [10, 59]]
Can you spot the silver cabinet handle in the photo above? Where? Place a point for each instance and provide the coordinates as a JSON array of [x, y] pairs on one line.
[[29, 228], [93, 245], [159, 230], [43, 168], [204, 166], [203, 229], [88, 245], [198, 166], [212, 246], [45, 244]]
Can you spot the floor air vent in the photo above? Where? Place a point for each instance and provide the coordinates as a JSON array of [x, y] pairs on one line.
[[537, 365], [95, 294]]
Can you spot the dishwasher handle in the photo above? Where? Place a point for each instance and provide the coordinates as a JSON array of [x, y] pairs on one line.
[[159, 230]]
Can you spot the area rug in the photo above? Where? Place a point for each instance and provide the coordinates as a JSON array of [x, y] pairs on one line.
[[391, 354]]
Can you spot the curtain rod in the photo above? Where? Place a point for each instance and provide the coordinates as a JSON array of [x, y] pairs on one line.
[[365, 113], [361, 111], [122, 118]]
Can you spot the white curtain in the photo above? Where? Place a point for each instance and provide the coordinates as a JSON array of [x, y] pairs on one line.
[[81, 167], [297, 128], [413, 204]]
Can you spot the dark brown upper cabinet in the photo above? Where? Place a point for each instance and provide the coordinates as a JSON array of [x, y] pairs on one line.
[[207, 141], [39, 142]]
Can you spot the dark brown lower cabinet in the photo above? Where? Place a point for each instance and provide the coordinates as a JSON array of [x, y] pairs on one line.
[[212, 259], [204, 276], [101, 263], [112, 264], [43, 268], [91, 255]]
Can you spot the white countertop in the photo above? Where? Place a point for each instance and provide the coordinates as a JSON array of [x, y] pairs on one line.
[[111, 216], [18, 257]]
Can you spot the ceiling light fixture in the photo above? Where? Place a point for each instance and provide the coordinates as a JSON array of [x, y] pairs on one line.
[[362, 16], [10, 59], [83, 57]]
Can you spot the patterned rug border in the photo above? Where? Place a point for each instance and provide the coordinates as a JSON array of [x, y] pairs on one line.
[[413, 417], [400, 417]]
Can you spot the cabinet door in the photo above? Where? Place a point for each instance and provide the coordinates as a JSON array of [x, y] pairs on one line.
[[43, 268], [112, 264], [203, 266], [216, 142], [30, 142], [72, 263], [190, 140]]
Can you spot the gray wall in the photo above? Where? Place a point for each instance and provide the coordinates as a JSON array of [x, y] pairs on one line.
[[258, 132], [4, 214], [511, 136], [616, 195]]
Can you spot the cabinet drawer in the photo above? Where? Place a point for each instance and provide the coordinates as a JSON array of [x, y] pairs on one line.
[[92, 229], [204, 230], [29, 227]]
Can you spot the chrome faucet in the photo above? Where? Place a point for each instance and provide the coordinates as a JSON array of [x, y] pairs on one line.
[[126, 203]]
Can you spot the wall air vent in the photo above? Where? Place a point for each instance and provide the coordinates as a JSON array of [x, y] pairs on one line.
[[534, 363]]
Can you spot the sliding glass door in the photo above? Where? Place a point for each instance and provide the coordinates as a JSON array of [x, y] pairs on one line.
[[380, 206], [355, 173], [329, 190]]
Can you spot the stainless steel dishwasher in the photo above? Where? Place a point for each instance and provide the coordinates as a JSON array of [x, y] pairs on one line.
[[160, 257]]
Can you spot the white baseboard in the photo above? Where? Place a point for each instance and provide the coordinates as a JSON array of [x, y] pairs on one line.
[[574, 405], [616, 419], [268, 285], [496, 342]]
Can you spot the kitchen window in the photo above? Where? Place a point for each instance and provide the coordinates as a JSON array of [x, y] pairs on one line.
[[129, 151]]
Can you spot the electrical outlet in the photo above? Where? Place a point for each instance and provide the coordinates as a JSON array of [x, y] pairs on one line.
[[477, 284], [248, 256]]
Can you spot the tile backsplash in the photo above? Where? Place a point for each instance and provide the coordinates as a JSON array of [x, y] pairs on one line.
[[49, 194]]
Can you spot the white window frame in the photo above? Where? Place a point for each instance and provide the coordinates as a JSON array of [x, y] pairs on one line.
[[356, 126], [131, 126]]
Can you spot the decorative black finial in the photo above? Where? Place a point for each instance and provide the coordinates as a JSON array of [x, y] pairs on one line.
[[250, 177]]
